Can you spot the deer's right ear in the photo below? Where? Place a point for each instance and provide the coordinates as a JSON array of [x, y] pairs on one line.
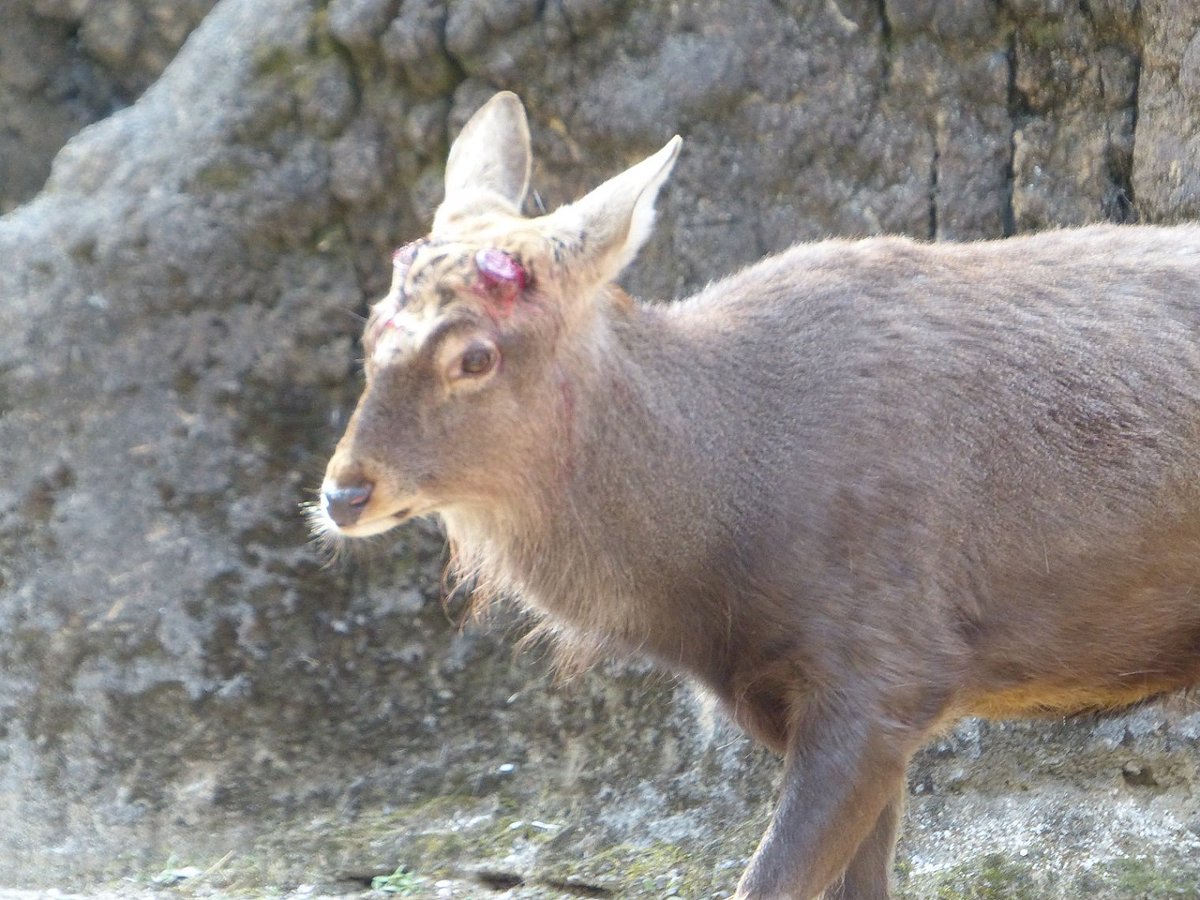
[[489, 162]]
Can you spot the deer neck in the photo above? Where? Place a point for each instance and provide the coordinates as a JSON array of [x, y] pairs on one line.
[[585, 542]]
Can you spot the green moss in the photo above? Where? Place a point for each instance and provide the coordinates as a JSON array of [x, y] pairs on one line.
[[269, 61], [222, 176], [656, 870], [1142, 877], [991, 877], [998, 877], [1043, 33]]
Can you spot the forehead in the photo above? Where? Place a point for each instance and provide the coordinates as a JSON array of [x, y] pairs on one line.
[[441, 270], [450, 257], [437, 278], [432, 273], [404, 335]]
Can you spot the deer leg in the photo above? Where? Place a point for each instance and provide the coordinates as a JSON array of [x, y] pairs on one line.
[[869, 875], [845, 768]]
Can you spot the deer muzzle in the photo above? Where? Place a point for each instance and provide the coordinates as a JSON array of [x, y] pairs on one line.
[[344, 505]]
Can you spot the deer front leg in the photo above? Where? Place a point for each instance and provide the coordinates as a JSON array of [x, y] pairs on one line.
[[844, 772], [869, 875]]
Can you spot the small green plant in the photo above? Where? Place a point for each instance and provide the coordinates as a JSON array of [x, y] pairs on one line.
[[402, 882], [174, 873]]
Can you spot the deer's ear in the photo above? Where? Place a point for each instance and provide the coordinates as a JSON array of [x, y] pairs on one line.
[[489, 162], [603, 232]]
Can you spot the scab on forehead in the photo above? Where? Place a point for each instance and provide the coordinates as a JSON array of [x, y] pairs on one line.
[[495, 276]]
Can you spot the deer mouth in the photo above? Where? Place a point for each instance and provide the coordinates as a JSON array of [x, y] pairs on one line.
[[374, 525]]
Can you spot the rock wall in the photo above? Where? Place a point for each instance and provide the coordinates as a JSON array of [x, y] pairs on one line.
[[181, 678], [67, 63]]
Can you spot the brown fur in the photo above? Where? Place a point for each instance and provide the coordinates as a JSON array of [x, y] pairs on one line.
[[857, 490]]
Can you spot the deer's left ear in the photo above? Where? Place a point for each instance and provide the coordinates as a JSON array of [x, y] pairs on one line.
[[602, 233], [489, 163]]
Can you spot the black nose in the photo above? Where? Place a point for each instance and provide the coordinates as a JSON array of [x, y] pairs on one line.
[[345, 504]]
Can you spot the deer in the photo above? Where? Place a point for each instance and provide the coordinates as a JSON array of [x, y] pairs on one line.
[[855, 491]]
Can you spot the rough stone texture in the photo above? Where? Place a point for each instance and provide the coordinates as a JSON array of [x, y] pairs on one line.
[[1166, 154], [67, 63], [185, 691]]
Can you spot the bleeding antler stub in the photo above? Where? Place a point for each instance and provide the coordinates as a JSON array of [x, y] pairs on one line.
[[500, 274]]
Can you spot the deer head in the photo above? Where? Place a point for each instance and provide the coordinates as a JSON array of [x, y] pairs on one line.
[[471, 354]]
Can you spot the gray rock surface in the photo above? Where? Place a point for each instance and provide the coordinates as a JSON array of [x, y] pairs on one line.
[[188, 693], [67, 63]]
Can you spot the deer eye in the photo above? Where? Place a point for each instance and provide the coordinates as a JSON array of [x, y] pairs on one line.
[[477, 359]]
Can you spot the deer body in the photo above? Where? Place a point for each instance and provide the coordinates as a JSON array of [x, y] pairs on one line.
[[857, 490]]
